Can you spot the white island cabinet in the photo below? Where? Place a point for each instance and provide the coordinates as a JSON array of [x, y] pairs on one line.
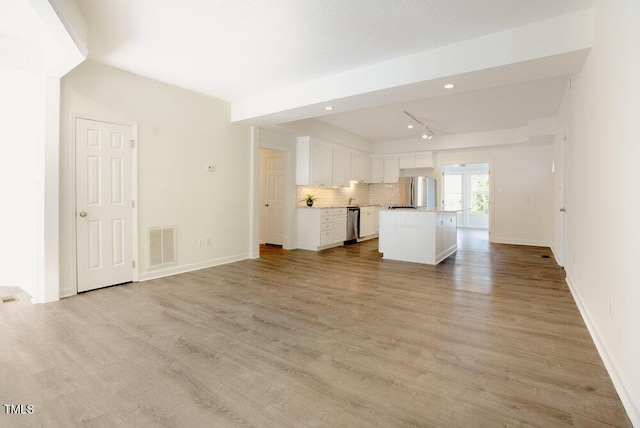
[[417, 235]]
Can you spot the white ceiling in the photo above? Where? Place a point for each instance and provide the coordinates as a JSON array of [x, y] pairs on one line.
[[29, 27], [238, 49]]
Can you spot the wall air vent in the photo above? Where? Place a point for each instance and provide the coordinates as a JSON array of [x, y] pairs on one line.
[[162, 246]]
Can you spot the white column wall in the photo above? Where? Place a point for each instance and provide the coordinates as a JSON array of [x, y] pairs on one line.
[[22, 108], [599, 115]]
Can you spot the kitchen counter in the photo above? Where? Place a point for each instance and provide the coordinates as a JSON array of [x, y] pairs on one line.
[[418, 235], [342, 206]]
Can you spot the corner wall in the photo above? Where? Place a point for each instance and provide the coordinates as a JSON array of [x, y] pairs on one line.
[[600, 115], [179, 134], [22, 123]]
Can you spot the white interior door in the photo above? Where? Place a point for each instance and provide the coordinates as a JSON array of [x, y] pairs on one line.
[[104, 204], [274, 198], [563, 208]]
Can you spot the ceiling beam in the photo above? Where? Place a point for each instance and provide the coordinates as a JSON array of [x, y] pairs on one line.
[[420, 75]]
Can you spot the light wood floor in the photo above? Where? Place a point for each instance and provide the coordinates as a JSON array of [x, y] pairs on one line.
[[490, 337]]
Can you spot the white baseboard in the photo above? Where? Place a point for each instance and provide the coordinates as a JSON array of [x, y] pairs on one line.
[[175, 270], [529, 242], [629, 400], [555, 255], [254, 255], [67, 292]]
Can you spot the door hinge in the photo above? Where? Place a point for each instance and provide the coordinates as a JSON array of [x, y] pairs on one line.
[[133, 204], [133, 143], [133, 263]]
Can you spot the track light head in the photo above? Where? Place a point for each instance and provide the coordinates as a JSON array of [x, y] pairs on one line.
[[427, 133]]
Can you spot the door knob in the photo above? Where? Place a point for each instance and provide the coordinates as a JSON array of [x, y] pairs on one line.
[[266, 205], [562, 210], [83, 214]]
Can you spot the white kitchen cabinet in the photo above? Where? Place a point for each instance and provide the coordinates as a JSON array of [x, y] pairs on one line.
[[377, 170], [369, 222], [339, 225], [319, 164], [391, 169], [360, 167], [425, 160], [420, 160], [405, 162], [341, 168], [320, 228], [314, 163]]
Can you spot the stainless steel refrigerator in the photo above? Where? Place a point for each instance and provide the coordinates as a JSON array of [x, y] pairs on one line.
[[418, 192]]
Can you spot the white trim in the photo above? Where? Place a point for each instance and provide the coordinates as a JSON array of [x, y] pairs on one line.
[[529, 242], [176, 270], [73, 289], [555, 254], [630, 402]]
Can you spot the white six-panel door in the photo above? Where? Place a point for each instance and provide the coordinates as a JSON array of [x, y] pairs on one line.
[[104, 204], [275, 199]]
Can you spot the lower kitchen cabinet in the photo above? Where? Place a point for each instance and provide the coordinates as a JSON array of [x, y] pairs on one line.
[[369, 221], [320, 228]]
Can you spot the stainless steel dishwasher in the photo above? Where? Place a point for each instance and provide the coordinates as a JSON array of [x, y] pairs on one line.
[[353, 225]]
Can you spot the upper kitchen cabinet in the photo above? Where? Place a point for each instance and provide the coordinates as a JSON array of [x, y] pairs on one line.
[[377, 170], [391, 169], [341, 168], [360, 167], [420, 160], [319, 164], [314, 163]]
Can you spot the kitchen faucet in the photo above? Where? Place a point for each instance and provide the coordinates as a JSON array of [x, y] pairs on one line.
[[352, 199]]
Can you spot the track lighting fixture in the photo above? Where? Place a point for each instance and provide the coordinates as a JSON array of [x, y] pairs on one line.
[[427, 134]]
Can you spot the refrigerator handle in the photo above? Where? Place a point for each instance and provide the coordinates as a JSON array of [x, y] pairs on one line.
[[413, 192]]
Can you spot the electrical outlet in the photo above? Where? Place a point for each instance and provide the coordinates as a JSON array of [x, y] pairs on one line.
[[200, 243]]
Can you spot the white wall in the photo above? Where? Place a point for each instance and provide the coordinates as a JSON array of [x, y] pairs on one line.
[[179, 134], [22, 107], [601, 117], [520, 197]]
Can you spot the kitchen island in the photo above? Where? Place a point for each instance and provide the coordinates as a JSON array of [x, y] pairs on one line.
[[418, 235]]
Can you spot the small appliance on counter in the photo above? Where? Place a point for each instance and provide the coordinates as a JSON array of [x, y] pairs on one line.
[[417, 192]]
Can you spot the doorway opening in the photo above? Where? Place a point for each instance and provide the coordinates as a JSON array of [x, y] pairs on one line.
[[467, 187]]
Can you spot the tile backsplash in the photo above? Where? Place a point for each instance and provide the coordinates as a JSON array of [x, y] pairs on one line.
[[362, 194]]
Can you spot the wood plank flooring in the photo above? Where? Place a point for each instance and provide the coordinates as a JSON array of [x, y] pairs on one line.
[[490, 337]]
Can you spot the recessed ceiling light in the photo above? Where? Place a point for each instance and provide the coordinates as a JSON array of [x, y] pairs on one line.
[[449, 86], [425, 136], [328, 108]]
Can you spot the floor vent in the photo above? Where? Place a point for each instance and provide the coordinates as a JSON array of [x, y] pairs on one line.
[[8, 299], [162, 246]]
